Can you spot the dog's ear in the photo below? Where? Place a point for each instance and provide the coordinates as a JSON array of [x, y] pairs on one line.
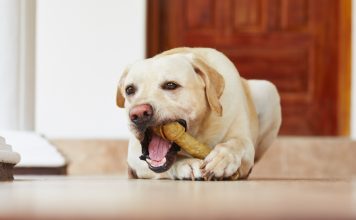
[[214, 83], [120, 99]]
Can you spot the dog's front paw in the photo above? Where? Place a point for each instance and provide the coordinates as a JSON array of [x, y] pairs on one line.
[[187, 169], [223, 163]]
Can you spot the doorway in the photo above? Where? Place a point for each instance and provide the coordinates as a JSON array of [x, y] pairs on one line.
[[302, 46]]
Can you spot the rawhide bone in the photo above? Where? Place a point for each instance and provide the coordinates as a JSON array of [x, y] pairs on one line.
[[175, 132]]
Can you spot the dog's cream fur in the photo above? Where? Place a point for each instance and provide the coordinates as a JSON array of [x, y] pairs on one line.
[[239, 118]]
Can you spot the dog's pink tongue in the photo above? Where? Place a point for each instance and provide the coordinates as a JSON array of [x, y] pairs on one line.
[[158, 148]]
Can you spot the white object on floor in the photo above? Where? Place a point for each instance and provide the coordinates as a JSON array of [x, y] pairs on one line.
[[6, 153], [35, 150]]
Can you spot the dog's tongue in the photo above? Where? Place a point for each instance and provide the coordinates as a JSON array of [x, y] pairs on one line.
[[158, 148]]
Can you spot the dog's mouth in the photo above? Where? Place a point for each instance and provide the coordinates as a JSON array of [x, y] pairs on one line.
[[160, 154]]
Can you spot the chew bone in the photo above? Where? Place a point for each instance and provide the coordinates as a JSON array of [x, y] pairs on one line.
[[176, 132]]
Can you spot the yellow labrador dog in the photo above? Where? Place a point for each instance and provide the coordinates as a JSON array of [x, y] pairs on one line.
[[201, 89]]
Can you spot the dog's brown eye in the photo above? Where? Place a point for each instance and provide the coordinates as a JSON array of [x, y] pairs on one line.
[[130, 90], [170, 86]]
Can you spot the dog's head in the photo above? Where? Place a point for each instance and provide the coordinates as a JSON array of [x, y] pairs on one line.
[[176, 87]]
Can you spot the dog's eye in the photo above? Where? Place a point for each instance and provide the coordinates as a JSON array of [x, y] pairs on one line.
[[130, 90], [170, 86]]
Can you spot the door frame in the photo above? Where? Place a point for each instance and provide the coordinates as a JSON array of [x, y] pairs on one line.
[[344, 72], [155, 33]]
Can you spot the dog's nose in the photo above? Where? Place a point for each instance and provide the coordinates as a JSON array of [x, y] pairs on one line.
[[141, 114]]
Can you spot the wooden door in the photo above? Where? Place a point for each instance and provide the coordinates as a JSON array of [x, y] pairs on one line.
[[302, 46]]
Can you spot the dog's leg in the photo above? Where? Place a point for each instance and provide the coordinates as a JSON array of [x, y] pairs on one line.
[[269, 134], [186, 169], [267, 102], [232, 159]]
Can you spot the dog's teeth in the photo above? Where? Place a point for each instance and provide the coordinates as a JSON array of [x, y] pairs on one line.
[[157, 163], [164, 160]]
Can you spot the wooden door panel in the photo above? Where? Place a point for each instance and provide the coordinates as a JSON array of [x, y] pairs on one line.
[[247, 15], [254, 63], [294, 14], [200, 15], [293, 43]]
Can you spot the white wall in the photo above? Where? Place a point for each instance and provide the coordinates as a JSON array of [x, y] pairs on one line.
[[9, 61], [17, 18], [82, 47]]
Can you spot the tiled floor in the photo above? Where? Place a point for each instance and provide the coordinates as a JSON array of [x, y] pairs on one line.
[[118, 198]]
